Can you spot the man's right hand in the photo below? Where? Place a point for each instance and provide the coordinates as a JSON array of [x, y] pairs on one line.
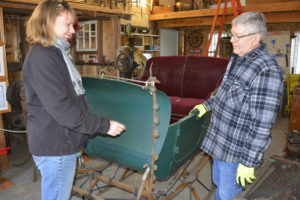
[[115, 128], [200, 109]]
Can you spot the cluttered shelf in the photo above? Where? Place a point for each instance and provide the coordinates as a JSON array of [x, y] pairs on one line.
[[144, 42], [142, 34]]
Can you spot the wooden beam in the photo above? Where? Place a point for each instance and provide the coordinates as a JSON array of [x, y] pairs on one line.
[[279, 17], [266, 1], [81, 193], [274, 7], [17, 6], [80, 6], [100, 41], [200, 21], [282, 17], [265, 8], [86, 14], [3, 158]]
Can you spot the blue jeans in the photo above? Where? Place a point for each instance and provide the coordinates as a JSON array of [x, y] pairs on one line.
[[224, 176], [57, 175]]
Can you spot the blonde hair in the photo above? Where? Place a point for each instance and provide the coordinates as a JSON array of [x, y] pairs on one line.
[[39, 27]]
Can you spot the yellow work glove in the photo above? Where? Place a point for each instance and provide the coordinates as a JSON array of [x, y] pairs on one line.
[[200, 109], [244, 174]]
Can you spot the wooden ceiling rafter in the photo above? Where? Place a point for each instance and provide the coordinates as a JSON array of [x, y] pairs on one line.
[[16, 6], [80, 6], [207, 21], [274, 12]]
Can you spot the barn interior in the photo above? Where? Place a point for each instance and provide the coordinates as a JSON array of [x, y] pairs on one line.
[[117, 47]]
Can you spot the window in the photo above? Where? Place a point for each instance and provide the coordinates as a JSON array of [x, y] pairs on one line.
[[213, 44], [295, 54], [86, 38]]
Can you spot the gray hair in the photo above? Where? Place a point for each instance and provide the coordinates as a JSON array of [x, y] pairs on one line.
[[255, 22]]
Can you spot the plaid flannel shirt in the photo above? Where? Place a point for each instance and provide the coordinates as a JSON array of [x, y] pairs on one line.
[[244, 109]]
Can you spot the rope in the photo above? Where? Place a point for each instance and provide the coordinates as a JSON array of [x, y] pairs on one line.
[[116, 78], [12, 131]]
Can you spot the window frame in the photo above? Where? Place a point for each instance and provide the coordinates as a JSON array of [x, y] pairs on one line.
[[295, 54], [82, 33], [214, 41]]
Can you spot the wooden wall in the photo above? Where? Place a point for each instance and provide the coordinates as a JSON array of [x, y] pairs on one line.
[[12, 30], [185, 49], [108, 48], [109, 40], [140, 17], [251, 2], [15, 43], [292, 27]]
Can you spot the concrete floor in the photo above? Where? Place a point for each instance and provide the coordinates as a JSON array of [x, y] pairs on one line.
[[26, 189]]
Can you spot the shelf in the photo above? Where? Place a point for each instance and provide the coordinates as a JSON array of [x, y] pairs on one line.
[[151, 50], [142, 50], [134, 46], [144, 42], [141, 34]]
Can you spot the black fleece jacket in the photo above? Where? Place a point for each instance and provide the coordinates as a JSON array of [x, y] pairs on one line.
[[59, 122]]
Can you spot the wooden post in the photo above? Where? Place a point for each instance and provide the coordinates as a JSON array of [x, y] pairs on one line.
[[4, 82], [3, 158]]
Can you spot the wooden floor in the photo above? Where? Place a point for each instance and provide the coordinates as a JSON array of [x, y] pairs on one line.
[[24, 188]]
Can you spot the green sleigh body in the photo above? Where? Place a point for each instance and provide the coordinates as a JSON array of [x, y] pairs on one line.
[[132, 105]]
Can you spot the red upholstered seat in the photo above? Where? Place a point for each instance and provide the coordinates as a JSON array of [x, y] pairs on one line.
[[187, 80], [180, 106], [169, 71], [202, 75]]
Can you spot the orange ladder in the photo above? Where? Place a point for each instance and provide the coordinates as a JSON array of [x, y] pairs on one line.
[[236, 8]]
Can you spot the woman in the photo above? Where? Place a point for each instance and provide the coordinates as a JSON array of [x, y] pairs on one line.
[[59, 123]]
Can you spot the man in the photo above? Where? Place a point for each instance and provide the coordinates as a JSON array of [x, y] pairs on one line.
[[244, 108]]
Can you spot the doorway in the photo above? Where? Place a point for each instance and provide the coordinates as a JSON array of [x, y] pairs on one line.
[[168, 42]]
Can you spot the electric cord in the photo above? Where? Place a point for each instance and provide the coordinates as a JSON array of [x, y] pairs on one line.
[[12, 131]]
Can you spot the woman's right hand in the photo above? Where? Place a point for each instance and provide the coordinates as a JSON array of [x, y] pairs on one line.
[[116, 128]]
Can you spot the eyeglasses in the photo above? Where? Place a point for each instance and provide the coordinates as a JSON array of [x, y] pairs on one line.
[[242, 36]]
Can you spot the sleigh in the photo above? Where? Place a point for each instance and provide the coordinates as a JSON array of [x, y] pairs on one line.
[[184, 81]]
